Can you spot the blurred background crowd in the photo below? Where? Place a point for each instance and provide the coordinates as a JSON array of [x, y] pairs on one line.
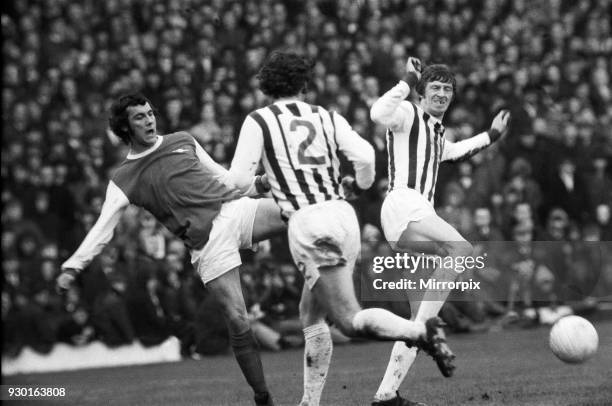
[[549, 62]]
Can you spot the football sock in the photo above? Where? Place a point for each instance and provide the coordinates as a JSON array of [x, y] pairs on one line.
[[433, 300], [247, 354], [402, 358], [382, 324], [317, 355]]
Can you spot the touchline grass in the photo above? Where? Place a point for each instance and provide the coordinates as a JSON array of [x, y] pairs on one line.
[[500, 368]]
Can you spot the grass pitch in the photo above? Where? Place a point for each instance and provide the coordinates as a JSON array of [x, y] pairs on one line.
[[501, 368]]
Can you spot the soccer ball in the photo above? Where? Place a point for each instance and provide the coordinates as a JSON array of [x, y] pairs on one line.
[[573, 339]]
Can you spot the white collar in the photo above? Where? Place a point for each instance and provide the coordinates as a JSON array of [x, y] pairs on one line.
[[290, 99], [431, 117], [147, 151]]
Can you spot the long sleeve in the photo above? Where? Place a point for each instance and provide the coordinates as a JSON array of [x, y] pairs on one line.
[[249, 148], [248, 151], [387, 109], [357, 150], [243, 184], [456, 151], [101, 233]]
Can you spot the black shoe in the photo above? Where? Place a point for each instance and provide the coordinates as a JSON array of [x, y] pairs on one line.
[[263, 399], [435, 345], [397, 401]]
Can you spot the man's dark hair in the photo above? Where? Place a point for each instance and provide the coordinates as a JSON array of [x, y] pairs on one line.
[[118, 119], [432, 73], [284, 74]]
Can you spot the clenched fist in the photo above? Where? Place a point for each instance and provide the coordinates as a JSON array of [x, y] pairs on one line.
[[65, 279], [350, 188], [413, 65]]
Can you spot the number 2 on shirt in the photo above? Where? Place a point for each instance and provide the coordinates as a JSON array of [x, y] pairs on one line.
[[306, 141], [303, 158]]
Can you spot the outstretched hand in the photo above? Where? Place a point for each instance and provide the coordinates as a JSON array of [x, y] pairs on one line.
[[350, 188], [499, 127], [500, 122]]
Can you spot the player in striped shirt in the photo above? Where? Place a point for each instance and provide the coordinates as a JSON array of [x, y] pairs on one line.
[[298, 144], [416, 147], [199, 201]]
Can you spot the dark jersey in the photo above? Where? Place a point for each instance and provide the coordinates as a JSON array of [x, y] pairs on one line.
[[176, 187]]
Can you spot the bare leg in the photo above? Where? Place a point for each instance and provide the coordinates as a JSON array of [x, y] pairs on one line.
[[268, 220], [335, 292], [433, 236]]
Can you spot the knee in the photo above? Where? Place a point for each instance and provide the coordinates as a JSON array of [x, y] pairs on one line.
[[345, 325], [342, 321], [309, 316], [236, 317]]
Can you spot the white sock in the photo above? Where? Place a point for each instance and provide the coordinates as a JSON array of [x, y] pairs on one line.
[[402, 358], [317, 355], [433, 300], [382, 324]]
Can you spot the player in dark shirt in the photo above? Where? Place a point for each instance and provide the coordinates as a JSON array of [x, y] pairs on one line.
[[200, 202]]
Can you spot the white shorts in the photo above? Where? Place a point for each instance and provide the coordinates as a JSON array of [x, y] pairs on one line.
[[323, 234], [401, 207], [232, 230]]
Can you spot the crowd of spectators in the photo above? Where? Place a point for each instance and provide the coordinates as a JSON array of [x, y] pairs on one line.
[[549, 62]]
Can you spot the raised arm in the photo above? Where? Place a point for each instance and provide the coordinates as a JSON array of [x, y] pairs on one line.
[[458, 151], [387, 109], [102, 231], [357, 150]]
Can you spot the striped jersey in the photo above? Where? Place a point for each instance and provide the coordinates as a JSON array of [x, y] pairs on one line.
[[299, 144], [415, 154], [415, 142]]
